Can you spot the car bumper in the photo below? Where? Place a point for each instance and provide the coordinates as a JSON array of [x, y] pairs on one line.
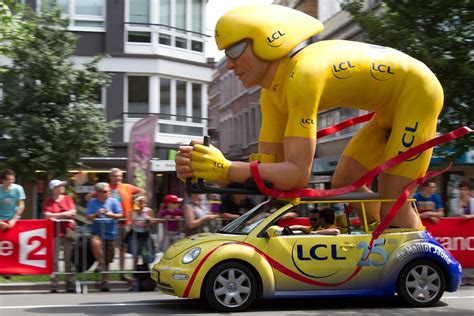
[[172, 277]]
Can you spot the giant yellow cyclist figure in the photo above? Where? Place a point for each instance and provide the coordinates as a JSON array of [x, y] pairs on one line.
[[263, 48]]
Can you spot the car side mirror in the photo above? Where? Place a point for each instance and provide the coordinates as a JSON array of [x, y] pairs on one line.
[[273, 231]]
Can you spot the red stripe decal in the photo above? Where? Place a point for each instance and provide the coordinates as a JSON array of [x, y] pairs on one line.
[[196, 271], [290, 273]]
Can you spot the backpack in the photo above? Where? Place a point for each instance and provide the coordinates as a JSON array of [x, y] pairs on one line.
[[144, 280], [82, 256]]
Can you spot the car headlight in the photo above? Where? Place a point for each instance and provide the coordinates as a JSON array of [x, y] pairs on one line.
[[191, 255]]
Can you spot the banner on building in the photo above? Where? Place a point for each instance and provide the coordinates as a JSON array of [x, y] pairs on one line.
[[455, 234], [141, 148], [27, 248]]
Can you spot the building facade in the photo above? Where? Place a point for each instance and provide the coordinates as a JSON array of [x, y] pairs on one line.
[[155, 53]]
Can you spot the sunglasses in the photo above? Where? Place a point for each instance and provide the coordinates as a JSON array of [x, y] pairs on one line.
[[236, 50]]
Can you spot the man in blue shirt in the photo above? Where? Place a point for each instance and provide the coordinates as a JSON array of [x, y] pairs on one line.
[[104, 211], [12, 200], [429, 203]]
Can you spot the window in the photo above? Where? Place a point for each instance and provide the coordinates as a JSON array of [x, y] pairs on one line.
[[87, 15], [197, 24], [165, 12], [177, 23], [165, 98], [181, 100], [138, 99], [99, 99], [139, 11], [197, 102], [179, 103]]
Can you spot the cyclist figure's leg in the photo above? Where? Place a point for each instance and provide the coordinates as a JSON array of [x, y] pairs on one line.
[[390, 187], [414, 122], [364, 151]]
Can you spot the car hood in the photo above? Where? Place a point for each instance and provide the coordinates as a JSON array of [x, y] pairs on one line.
[[195, 240]]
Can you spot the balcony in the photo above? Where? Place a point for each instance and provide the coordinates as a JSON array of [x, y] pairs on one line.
[[159, 39], [171, 128]]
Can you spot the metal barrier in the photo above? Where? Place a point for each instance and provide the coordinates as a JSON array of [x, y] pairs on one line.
[[82, 269]]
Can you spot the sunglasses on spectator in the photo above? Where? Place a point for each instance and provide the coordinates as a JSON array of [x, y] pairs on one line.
[[236, 50]]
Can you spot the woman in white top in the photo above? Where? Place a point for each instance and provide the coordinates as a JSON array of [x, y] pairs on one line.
[[463, 206], [197, 215]]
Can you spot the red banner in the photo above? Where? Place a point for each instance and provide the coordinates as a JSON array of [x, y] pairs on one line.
[[27, 248], [457, 236], [141, 149]]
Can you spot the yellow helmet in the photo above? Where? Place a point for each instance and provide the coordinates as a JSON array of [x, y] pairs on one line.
[[274, 29]]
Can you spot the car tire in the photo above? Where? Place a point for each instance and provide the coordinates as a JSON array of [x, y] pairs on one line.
[[230, 287], [421, 283]]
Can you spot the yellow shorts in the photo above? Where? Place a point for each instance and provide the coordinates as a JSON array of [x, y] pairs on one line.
[[397, 128]]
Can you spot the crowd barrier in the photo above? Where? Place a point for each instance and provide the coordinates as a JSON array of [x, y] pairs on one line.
[[29, 247], [456, 235]]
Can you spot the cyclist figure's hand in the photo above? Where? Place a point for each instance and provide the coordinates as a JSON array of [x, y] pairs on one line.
[[183, 162], [209, 163]]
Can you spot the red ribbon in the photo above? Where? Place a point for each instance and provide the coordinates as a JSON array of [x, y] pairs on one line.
[[308, 192], [344, 124]]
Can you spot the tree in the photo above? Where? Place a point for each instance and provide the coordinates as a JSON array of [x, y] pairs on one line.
[[47, 116], [11, 32], [440, 34]]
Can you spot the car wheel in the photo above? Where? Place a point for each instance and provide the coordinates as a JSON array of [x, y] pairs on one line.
[[230, 287], [421, 283]]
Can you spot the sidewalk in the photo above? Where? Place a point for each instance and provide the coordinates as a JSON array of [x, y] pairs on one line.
[[92, 283], [45, 287]]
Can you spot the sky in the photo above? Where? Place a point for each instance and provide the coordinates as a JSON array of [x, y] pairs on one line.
[[215, 9]]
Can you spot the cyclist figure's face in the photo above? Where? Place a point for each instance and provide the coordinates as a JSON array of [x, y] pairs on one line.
[[250, 69]]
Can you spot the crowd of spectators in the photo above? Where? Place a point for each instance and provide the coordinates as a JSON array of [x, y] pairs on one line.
[[120, 218]]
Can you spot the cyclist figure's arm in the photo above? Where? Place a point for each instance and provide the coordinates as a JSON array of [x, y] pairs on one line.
[[292, 173]]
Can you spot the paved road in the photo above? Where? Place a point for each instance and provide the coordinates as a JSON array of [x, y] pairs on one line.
[[155, 303]]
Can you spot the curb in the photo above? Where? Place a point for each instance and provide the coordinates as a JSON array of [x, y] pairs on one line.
[[92, 286]]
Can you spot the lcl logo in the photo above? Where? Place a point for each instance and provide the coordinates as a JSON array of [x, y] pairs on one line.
[[276, 39], [307, 123], [381, 72], [343, 70], [408, 139], [218, 165]]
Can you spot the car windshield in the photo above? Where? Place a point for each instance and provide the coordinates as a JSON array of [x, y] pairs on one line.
[[244, 224]]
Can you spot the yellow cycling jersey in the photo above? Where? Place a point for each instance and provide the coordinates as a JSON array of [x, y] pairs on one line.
[[404, 93]]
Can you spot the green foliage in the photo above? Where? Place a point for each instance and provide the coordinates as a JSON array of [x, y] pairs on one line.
[[439, 33], [47, 116]]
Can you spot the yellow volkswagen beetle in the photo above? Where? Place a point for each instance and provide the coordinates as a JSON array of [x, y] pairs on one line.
[[256, 256]]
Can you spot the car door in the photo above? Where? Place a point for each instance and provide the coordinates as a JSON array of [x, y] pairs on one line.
[[373, 259], [313, 262]]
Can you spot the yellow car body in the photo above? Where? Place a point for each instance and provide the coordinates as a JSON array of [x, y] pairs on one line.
[[241, 262]]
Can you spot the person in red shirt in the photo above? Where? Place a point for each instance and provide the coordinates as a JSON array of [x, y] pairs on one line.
[[173, 216], [60, 208], [123, 192]]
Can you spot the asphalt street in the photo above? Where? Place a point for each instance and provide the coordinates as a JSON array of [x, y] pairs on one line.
[[156, 303]]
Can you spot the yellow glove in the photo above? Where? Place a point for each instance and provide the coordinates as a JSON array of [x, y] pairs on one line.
[[209, 163], [262, 158]]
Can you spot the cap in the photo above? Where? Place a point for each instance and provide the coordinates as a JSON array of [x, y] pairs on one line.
[[170, 198], [275, 30], [56, 183]]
